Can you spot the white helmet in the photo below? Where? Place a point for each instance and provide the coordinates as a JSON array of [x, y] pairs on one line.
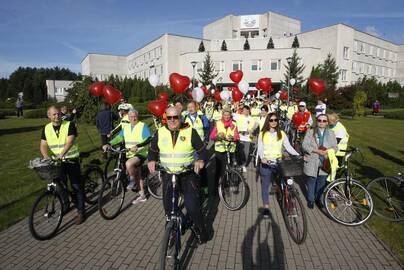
[[125, 107]]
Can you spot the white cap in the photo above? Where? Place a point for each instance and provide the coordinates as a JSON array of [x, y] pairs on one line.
[[125, 106], [302, 103]]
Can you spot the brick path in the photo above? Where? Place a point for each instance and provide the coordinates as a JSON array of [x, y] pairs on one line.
[[242, 240]]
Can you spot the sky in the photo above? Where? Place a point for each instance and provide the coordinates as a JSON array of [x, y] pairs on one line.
[[48, 33]]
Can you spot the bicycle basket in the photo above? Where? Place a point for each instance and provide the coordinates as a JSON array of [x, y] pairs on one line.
[[291, 167], [45, 169]]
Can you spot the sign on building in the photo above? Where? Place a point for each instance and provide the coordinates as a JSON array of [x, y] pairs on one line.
[[393, 95], [249, 21]]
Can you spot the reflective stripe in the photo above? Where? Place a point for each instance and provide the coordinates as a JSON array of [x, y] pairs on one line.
[[175, 165], [177, 155], [71, 153], [272, 147], [57, 143], [56, 146]]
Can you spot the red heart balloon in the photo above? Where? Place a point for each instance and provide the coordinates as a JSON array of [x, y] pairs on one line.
[[236, 76], [205, 90], [97, 88], [237, 95], [111, 95], [254, 93], [316, 86], [265, 84], [297, 118], [179, 83], [257, 86], [157, 107], [163, 96], [217, 95], [189, 93], [283, 95]]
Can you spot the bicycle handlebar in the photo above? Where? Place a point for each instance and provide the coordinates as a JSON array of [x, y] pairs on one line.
[[117, 150]]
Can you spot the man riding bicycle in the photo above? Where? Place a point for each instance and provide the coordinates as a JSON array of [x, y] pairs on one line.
[[60, 137], [174, 145]]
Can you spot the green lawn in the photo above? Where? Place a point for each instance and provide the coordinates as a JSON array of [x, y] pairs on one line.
[[381, 141]]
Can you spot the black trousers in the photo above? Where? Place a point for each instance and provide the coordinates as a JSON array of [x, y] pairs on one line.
[[189, 185], [20, 112], [72, 171], [221, 162]]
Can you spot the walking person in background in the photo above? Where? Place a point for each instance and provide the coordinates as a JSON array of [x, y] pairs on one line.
[[376, 107], [104, 122], [19, 104], [320, 108], [316, 144], [245, 125]]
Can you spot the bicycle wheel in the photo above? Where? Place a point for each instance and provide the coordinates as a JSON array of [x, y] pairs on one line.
[[110, 165], [46, 216], [169, 255], [111, 197], [294, 216], [348, 204], [233, 190], [93, 179], [388, 197], [155, 185]]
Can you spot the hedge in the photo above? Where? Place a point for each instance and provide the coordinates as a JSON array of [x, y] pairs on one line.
[[8, 112], [36, 113], [394, 115]]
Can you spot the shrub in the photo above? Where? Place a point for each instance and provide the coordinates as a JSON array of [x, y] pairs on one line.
[[394, 115], [359, 103], [36, 113], [8, 112]]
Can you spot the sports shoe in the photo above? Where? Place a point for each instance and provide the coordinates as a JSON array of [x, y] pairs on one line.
[[310, 205], [265, 213], [79, 219], [131, 185], [244, 169], [139, 199]]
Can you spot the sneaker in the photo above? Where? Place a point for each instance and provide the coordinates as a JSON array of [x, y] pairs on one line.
[[139, 199], [244, 169], [265, 213], [310, 205], [79, 219], [131, 185]]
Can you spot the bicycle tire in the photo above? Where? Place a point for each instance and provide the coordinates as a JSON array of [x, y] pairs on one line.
[[229, 187], [110, 165], [154, 184], [93, 178], [388, 197], [111, 198], [335, 196], [169, 258], [55, 200], [289, 214]]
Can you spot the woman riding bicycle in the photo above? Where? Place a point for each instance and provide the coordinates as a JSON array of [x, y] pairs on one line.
[[271, 140]]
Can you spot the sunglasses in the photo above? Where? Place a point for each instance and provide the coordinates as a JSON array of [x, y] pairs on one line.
[[322, 120], [301, 106], [174, 117], [273, 120]]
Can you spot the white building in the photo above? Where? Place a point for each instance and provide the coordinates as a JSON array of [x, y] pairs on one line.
[[58, 89], [357, 53]]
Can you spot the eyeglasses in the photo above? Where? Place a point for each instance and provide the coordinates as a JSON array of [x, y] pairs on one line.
[[273, 120], [322, 120], [173, 117], [302, 106]]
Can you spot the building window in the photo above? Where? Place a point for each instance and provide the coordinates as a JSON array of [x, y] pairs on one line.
[[346, 52], [237, 65], [371, 50], [369, 69], [360, 67], [382, 71], [219, 66], [343, 75], [384, 54], [356, 46], [275, 64], [377, 70], [354, 67], [199, 66], [361, 47], [377, 52], [256, 65]]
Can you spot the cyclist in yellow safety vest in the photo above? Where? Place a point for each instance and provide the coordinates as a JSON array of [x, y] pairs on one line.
[[271, 141], [60, 138], [197, 120], [136, 136], [245, 126], [340, 133], [292, 109], [175, 146], [217, 113], [255, 112], [123, 114]]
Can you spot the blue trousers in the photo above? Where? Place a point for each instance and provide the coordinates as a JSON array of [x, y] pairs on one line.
[[267, 174], [315, 187]]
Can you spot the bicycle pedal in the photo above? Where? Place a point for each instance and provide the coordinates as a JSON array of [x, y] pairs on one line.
[[390, 209], [365, 202], [333, 205]]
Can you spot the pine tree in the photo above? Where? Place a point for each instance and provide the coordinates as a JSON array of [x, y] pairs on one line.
[[208, 72], [295, 69], [246, 46], [295, 43], [270, 44], [329, 71], [201, 47], [224, 46]]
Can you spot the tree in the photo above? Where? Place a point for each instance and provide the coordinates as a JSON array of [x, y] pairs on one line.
[[224, 46], [208, 72], [295, 43], [329, 72], [294, 69], [201, 47], [246, 46], [359, 103], [270, 44]]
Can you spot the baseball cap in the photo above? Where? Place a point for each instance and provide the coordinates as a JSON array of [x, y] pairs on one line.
[[302, 103]]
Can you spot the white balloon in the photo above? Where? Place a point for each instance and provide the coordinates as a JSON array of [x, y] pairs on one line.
[[197, 94], [208, 87], [248, 96], [200, 84], [277, 95], [225, 95], [243, 86], [212, 91], [154, 80], [292, 81], [214, 81]]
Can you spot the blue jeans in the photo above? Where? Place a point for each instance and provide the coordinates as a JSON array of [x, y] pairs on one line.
[[315, 187], [267, 173]]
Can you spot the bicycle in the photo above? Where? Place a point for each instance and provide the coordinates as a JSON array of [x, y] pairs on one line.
[[388, 197], [232, 185], [154, 183], [48, 209], [288, 196], [177, 225], [346, 200]]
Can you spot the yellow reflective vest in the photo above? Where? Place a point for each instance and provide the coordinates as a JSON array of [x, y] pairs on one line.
[[132, 137], [272, 146], [244, 124], [57, 144], [174, 158], [197, 124], [343, 144], [291, 111], [217, 115], [222, 146]]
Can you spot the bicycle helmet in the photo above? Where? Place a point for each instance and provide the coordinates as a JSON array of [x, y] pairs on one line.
[[125, 107]]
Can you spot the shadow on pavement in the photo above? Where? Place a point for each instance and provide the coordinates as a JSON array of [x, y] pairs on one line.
[[265, 257], [65, 226], [19, 130]]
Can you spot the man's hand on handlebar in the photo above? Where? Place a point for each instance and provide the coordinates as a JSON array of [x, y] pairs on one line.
[[134, 149], [199, 164], [105, 147], [152, 166]]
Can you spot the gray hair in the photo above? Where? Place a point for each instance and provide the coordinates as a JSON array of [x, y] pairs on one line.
[[133, 111]]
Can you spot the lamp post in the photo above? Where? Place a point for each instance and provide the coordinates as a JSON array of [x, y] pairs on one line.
[[289, 60], [193, 63]]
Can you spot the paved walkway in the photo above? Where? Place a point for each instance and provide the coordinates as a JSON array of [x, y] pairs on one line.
[[242, 240]]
